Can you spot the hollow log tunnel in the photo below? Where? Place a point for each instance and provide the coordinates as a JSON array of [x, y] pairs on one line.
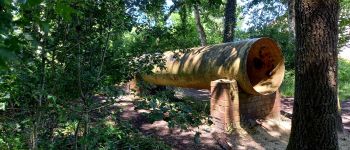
[[256, 64]]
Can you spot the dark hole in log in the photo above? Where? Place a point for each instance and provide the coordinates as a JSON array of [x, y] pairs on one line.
[[258, 63]]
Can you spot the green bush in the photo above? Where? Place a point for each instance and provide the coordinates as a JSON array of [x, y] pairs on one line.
[[287, 87], [182, 113], [344, 79], [121, 136]]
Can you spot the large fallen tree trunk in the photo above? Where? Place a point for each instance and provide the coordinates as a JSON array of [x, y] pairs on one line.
[[256, 64]]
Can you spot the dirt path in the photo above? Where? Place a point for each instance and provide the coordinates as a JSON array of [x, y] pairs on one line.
[[287, 108], [268, 135]]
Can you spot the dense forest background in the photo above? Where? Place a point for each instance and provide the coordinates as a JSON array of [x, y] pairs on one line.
[[58, 56]]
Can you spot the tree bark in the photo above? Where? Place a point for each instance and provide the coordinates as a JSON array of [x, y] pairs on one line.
[[200, 29], [315, 107], [230, 20], [291, 19]]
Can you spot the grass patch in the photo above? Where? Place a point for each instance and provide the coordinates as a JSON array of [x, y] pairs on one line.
[[344, 79], [287, 87]]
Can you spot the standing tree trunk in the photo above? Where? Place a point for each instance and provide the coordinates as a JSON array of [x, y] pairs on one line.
[[230, 20], [200, 29], [291, 19], [315, 107]]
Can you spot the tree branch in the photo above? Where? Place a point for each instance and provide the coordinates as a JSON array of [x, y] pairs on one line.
[[177, 4]]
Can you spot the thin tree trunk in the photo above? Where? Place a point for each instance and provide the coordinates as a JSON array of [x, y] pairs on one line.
[[34, 137], [104, 54], [174, 7], [76, 136], [41, 74], [291, 19], [83, 97], [85, 113], [315, 108], [230, 20], [200, 29]]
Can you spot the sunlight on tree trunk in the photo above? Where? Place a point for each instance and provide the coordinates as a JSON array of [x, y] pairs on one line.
[[199, 26]]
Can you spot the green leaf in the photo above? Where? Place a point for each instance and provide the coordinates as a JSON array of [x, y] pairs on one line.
[[6, 2], [2, 106], [3, 64], [28, 37], [6, 53], [156, 116], [197, 139], [7, 96], [52, 98], [21, 1], [64, 10], [45, 27], [153, 104], [171, 124], [34, 2]]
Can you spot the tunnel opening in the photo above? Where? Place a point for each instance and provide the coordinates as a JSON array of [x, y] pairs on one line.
[[265, 66]]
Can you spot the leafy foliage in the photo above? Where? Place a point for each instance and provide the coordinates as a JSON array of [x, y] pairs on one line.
[[62, 48], [8, 42], [57, 58], [181, 113], [344, 22], [287, 87], [344, 79]]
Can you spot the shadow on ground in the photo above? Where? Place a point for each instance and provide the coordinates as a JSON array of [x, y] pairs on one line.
[[287, 110], [265, 135]]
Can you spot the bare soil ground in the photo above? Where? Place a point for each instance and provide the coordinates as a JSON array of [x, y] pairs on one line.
[[265, 135]]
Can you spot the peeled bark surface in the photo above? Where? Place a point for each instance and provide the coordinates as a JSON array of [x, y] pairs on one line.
[[315, 104], [256, 64]]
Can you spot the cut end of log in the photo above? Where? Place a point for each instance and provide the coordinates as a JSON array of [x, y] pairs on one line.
[[265, 66]]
